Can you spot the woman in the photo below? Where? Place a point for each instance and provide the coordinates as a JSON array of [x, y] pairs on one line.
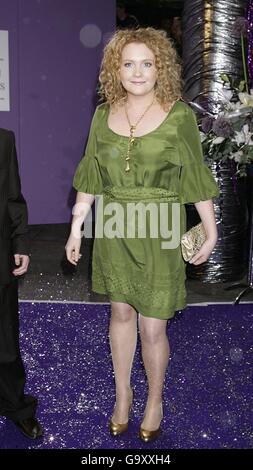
[[144, 146]]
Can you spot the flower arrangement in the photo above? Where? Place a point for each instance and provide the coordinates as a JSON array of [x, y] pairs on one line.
[[229, 134]]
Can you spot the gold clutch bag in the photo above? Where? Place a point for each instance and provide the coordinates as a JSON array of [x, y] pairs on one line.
[[192, 241]]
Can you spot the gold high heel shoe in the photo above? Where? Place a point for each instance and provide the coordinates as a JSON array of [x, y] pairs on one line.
[[118, 428], [148, 436]]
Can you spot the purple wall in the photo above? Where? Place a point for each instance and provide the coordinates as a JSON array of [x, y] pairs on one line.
[[55, 55]]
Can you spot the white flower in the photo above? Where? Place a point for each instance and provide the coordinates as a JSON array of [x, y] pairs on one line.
[[225, 94], [234, 106], [203, 136], [243, 137], [236, 156], [218, 140], [246, 98]]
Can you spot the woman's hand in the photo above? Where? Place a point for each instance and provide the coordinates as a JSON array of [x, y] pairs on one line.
[[72, 249], [80, 211], [203, 254], [207, 216]]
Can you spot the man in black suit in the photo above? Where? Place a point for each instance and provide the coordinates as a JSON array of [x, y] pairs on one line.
[[14, 260]]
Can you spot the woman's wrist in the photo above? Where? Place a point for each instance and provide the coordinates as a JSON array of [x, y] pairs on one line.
[[76, 229], [212, 237]]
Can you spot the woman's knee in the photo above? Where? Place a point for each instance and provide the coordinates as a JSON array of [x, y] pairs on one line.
[[152, 330], [122, 312]]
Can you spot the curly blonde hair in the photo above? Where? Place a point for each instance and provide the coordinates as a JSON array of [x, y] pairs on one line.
[[169, 83]]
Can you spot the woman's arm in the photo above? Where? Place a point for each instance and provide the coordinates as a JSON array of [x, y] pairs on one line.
[[81, 209], [206, 212]]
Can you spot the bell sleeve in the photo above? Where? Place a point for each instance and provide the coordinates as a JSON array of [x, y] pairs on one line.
[[196, 180], [87, 178]]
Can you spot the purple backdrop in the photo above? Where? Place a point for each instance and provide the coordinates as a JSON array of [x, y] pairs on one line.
[[55, 53]]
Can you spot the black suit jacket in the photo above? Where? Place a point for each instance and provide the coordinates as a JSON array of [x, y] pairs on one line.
[[13, 209]]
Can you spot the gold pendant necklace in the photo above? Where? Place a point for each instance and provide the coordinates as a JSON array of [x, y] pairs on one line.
[[131, 137]]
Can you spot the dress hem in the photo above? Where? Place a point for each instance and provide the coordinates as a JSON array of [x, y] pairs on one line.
[[117, 297]]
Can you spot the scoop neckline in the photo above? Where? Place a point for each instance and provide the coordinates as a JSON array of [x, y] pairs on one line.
[[144, 135]]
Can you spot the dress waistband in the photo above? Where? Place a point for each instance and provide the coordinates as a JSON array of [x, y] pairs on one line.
[[140, 193]]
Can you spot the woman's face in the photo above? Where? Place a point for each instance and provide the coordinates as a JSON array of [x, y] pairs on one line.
[[138, 73]]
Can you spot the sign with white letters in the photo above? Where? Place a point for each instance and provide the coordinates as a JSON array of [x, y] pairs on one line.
[[4, 72]]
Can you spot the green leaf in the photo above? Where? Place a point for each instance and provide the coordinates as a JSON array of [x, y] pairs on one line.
[[225, 77], [242, 85]]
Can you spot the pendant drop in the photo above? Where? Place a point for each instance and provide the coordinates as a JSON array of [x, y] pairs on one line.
[[127, 167]]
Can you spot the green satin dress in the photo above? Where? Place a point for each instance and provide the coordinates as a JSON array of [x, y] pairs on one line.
[[166, 166]]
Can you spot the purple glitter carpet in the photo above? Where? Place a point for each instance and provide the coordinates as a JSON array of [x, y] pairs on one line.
[[208, 390]]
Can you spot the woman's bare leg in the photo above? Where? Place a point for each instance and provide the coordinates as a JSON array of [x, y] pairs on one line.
[[123, 338], [155, 353]]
